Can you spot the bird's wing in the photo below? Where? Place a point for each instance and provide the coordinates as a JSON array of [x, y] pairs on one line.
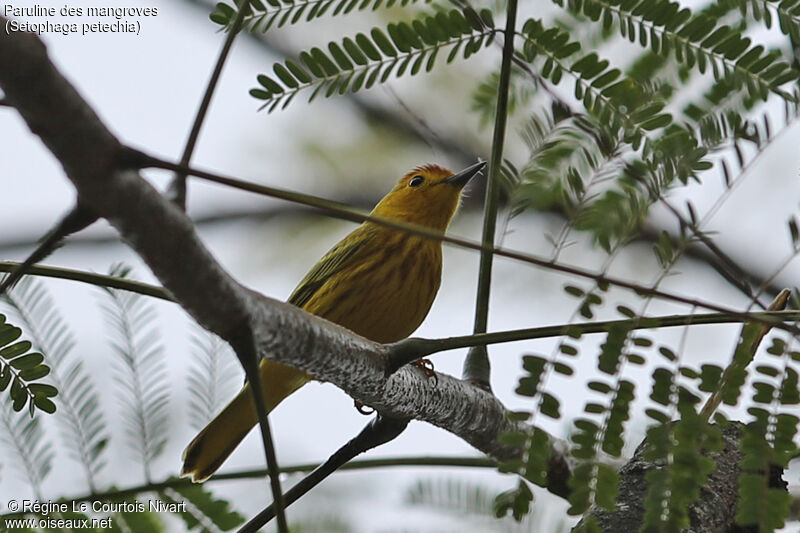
[[338, 258]]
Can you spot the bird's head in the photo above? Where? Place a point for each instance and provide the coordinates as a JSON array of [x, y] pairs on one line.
[[428, 195]]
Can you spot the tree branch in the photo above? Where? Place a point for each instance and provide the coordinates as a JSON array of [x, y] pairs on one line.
[[165, 239], [714, 511], [362, 464], [177, 187], [477, 368], [379, 430], [460, 148], [140, 159], [75, 220]]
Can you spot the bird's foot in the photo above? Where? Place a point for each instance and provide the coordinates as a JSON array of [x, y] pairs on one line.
[[426, 365], [363, 409]]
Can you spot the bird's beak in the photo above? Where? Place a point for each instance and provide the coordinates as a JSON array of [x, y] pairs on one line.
[[461, 179]]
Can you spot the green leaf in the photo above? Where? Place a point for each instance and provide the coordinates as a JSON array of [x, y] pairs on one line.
[[516, 502], [223, 14], [354, 51], [27, 361], [271, 85], [34, 373], [549, 406], [5, 377], [367, 47], [44, 404], [323, 60], [260, 94], [607, 480], [340, 57], [203, 506], [383, 42], [9, 334], [9, 352], [137, 521], [285, 76], [298, 72], [43, 389], [312, 64]]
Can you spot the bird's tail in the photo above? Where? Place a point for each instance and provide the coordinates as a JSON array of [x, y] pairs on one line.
[[212, 446]]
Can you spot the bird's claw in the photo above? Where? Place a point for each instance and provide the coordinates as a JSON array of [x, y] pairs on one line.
[[363, 409], [426, 365]]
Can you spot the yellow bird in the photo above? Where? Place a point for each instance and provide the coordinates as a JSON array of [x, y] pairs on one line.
[[377, 282]]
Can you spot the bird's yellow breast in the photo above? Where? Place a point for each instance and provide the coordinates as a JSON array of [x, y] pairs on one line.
[[388, 294]]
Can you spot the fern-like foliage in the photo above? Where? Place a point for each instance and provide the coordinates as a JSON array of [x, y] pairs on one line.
[[203, 512], [768, 440], [619, 102], [267, 14], [212, 370], [361, 62], [484, 97], [569, 156], [20, 372], [81, 417], [627, 113], [131, 518], [695, 40], [140, 371], [787, 12], [24, 438], [680, 448], [323, 522], [478, 505]]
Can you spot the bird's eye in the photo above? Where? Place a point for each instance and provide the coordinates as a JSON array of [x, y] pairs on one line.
[[416, 181]]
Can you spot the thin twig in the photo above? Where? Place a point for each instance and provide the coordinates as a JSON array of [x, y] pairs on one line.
[[476, 364], [259, 473], [91, 278], [178, 193], [413, 348], [178, 186], [78, 218], [749, 340], [450, 343], [243, 344], [349, 213], [735, 275], [379, 430]]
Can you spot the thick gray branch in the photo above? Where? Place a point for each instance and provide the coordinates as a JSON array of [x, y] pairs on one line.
[[713, 512], [165, 239]]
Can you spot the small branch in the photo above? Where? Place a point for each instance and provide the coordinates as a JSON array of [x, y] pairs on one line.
[[98, 280], [379, 430], [242, 342], [177, 188], [749, 340], [648, 234], [697, 252], [715, 510], [78, 218], [727, 267], [411, 349], [476, 365], [259, 473], [345, 212]]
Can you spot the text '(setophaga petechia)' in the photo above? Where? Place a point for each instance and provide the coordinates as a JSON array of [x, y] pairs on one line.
[[378, 282]]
